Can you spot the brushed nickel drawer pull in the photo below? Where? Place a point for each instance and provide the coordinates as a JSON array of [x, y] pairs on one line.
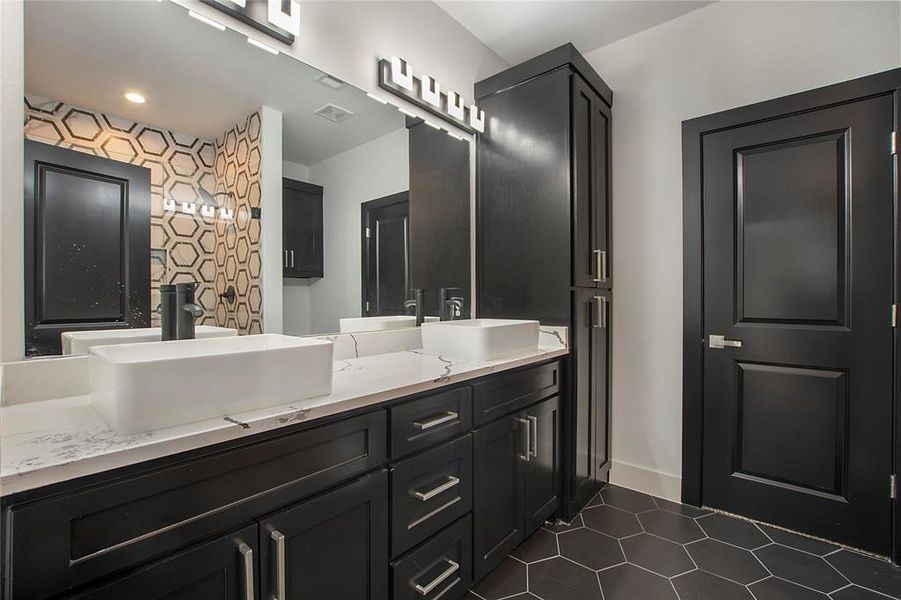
[[280, 586], [450, 483], [426, 590], [436, 421], [247, 558], [533, 436], [527, 454]]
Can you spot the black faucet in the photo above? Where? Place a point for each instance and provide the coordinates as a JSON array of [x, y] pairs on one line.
[[449, 306], [417, 302], [178, 311]]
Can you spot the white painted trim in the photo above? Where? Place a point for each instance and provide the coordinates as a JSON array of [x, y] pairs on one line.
[[655, 483], [271, 219]]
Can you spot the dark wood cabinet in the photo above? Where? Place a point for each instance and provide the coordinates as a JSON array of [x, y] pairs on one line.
[[221, 569], [333, 547], [544, 236], [301, 229], [517, 482]]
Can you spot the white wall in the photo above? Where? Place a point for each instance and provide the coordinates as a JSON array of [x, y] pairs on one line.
[[271, 218], [369, 171], [722, 56], [297, 171]]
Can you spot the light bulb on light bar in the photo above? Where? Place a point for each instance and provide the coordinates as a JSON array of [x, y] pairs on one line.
[[406, 112], [454, 135], [377, 99], [262, 46], [207, 20], [432, 125]]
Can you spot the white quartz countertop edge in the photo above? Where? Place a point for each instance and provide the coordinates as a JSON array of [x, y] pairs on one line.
[[52, 441]]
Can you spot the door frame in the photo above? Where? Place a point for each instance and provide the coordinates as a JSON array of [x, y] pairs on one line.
[[693, 132], [365, 209]]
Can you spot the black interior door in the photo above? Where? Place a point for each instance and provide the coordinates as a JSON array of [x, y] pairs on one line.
[[798, 246], [87, 245], [302, 229], [541, 482], [333, 547], [221, 569], [386, 255]]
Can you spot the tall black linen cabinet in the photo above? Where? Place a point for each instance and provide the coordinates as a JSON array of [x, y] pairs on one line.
[[543, 240]]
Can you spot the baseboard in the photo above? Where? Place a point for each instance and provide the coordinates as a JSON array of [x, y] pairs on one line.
[[662, 485]]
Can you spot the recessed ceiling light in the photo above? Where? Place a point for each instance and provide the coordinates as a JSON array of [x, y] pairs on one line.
[[135, 97]]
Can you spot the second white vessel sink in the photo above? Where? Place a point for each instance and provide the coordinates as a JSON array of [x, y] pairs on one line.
[[356, 324], [80, 342], [480, 339], [142, 387]]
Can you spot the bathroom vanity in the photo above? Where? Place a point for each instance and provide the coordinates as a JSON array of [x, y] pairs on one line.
[[408, 485]]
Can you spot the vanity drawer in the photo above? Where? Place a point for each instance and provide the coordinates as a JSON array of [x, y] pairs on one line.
[[78, 537], [424, 422], [429, 491], [506, 393], [439, 568]]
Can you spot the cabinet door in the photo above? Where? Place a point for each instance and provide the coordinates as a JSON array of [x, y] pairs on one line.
[[332, 547], [499, 449], [600, 382], [222, 569], [302, 229], [541, 482], [600, 210]]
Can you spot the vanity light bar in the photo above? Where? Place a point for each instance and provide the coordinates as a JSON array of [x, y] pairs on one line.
[[190, 208], [262, 46], [207, 20]]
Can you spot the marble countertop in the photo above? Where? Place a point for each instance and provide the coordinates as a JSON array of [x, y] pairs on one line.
[[55, 440]]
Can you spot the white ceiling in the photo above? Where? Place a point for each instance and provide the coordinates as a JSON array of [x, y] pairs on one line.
[[519, 30], [197, 80]]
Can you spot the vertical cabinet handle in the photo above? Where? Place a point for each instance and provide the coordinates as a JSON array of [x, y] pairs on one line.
[[292, 259], [280, 585], [600, 265], [286, 259], [526, 455], [533, 436], [600, 312], [452, 568], [247, 560]]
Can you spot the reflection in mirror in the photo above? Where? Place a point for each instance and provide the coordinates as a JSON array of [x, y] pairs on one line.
[[154, 161]]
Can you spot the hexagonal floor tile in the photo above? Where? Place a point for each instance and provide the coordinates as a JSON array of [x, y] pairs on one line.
[[801, 568], [871, 573], [798, 541], [701, 585], [507, 579], [853, 592], [671, 526], [682, 509], [560, 579], [726, 561], [658, 555], [779, 589], [630, 500], [733, 531], [611, 521], [540, 545], [590, 548], [628, 582]]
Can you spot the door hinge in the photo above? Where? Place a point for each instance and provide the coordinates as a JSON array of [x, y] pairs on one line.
[[367, 233], [894, 315], [894, 143], [893, 489]]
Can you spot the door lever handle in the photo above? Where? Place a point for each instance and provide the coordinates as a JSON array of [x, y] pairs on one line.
[[720, 341]]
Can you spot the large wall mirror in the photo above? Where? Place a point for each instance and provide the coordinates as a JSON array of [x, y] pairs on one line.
[[156, 145]]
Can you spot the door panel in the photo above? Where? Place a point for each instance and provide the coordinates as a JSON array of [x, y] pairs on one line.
[[797, 421], [386, 255], [584, 183], [541, 481]]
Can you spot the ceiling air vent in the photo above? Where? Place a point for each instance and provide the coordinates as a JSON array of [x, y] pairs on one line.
[[331, 82], [334, 113]]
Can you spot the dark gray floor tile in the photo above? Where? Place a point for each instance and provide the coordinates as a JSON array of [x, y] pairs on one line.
[[671, 526], [561, 526], [628, 582], [508, 579], [854, 592], [868, 572], [726, 561], [626, 499], [611, 521], [658, 555], [733, 531], [560, 579], [779, 589], [540, 545], [590, 548], [798, 541], [800, 567], [701, 585], [683, 509]]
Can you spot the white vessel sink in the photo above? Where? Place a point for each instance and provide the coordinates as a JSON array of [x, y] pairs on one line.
[[480, 339], [80, 342], [142, 387], [356, 324]]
